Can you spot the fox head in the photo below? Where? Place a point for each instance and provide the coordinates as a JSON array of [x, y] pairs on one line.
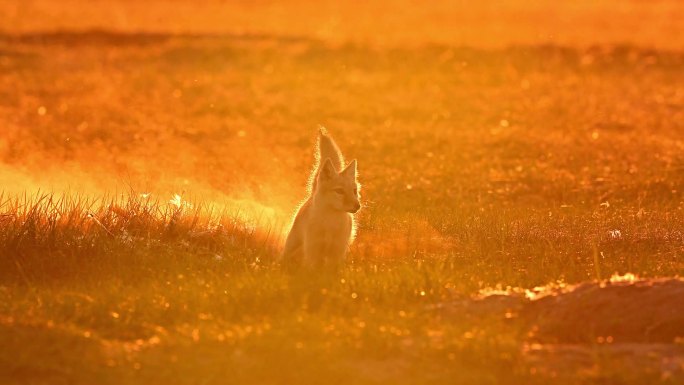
[[338, 190]]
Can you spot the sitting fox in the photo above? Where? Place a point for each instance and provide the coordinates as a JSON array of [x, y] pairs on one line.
[[324, 225]]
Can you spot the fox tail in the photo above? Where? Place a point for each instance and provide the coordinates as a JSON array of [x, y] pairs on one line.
[[326, 149]]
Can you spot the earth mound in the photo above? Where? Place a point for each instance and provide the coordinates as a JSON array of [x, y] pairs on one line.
[[622, 311]]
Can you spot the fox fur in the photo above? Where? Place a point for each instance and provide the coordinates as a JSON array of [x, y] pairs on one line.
[[324, 225]]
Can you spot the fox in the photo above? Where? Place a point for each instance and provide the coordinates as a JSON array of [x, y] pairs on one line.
[[324, 226]]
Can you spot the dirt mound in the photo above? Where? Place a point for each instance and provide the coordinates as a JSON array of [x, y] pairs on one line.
[[624, 311], [626, 327]]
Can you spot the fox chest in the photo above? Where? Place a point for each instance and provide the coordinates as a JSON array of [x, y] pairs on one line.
[[331, 230]]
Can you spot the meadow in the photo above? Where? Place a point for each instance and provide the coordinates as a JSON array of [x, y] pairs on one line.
[[150, 164]]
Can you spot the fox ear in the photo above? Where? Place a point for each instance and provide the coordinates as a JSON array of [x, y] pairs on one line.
[[350, 171], [327, 170]]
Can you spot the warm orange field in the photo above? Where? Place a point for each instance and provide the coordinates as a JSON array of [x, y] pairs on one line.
[[152, 154]]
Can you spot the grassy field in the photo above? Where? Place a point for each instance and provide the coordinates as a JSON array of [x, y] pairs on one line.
[[150, 164]]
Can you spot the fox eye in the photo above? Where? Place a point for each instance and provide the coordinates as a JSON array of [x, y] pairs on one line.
[[339, 191]]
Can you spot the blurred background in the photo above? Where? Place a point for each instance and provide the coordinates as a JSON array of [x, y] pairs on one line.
[[506, 102], [480, 24]]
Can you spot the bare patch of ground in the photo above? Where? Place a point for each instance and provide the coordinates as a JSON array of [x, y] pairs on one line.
[[639, 311], [624, 328]]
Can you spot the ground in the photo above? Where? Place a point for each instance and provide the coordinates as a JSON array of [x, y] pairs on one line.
[[523, 186]]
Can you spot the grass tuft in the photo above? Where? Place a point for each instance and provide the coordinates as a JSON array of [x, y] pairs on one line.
[[62, 237]]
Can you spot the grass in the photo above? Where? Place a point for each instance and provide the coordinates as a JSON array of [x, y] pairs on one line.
[[152, 292], [491, 165], [155, 292]]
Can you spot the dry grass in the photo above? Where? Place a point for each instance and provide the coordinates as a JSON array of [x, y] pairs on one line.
[[49, 238], [154, 292], [493, 159]]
